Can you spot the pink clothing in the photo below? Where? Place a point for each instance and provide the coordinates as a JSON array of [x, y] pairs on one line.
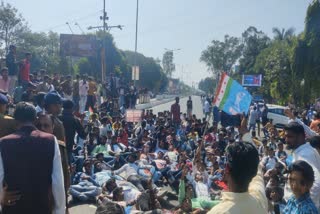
[[4, 85]]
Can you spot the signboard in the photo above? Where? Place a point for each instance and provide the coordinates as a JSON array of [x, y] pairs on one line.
[[135, 72], [133, 115], [252, 80], [78, 45]]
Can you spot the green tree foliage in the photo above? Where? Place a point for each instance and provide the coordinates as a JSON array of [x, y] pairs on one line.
[[221, 56], [151, 74], [12, 25], [254, 42], [274, 63], [307, 56], [207, 85], [167, 63], [115, 58], [283, 34]]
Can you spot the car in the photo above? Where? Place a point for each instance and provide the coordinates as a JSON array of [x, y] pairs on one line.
[[277, 115]]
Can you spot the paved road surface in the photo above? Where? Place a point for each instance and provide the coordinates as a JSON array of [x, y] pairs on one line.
[[197, 110], [197, 106]]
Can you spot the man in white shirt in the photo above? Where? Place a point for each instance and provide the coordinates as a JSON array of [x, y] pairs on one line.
[[206, 108], [83, 93], [295, 138]]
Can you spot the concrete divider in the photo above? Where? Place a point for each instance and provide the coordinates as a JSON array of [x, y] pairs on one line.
[[162, 99]]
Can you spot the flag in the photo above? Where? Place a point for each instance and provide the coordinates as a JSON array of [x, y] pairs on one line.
[[231, 97]]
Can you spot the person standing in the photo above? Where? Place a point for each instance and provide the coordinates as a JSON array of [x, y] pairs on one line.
[[253, 117], [25, 70], [53, 105], [264, 115], [45, 123], [71, 125], [175, 113], [11, 63], [76, 96], [66, 88], [189, 108], [246, 191], [207, 108], [295, 139], [30, 164], [4, 80], [83, 92], [91, 98]]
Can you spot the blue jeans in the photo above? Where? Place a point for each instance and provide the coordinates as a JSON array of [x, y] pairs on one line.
[[76, 100], [253, 126], [84, 192]]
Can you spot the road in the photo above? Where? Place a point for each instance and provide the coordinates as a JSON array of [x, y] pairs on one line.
[[197, 106], [197, 110]]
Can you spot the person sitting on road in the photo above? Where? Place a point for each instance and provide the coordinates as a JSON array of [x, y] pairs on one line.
[[84, 187]]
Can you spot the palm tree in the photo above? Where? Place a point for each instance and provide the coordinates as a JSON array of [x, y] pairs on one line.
[[283, 34]]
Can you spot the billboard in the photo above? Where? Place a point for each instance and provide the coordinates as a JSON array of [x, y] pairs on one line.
[[252, 80], [78, 45]]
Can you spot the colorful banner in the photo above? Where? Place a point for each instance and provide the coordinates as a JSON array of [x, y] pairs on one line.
[[252, 80], [231, 97]]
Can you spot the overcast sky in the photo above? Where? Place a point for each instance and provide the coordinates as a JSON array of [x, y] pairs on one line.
[[186, 24]]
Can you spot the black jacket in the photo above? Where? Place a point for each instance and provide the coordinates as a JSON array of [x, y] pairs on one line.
[[72, 126], [11, 64]]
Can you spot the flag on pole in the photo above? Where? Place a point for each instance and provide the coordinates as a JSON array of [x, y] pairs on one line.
[[231, 97]]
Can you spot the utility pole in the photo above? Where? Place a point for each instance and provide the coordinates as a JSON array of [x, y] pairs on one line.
[[103, 50], [105, 28], [136, 45]]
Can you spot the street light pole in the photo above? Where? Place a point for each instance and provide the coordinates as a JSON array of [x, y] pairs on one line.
[[103, 51], [136, 45]]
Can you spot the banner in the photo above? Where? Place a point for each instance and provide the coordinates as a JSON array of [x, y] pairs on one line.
[[252, 80], [78, 45], [133, 115], [135, 72], [231, 97]]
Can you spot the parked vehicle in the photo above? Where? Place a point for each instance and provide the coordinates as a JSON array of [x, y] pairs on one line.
[[276, 113]]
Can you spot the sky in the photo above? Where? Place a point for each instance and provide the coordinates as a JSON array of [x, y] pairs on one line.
[[188, 25]]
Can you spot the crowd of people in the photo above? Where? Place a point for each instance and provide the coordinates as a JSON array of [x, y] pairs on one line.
[[50, 152]]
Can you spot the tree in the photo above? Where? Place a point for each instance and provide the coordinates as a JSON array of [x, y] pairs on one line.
[[254, 42], [207, 85], [167, 63], [151, 73], [275, 64], [307, 56], [12, 24], [221, 56], [115, 58], [283, 34]]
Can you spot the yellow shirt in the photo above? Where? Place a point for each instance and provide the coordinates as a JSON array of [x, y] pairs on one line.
[[252, 202]]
